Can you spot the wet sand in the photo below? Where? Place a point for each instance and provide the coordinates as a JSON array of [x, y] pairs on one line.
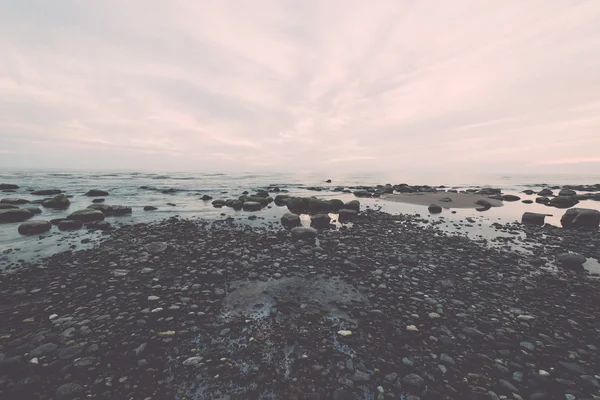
[[458, 200]]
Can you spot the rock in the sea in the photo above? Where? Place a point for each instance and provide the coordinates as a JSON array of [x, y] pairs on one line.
[[363, 193], [317, 205], [320, 220], [510, 197], [434, 209], [218, 203], [7, 206], [336, 205], [14, 201], [484, 204], [581, 218], [347, 215], [353, 205], [567, 192], [531, 218], [282, 199], [150, 208], [252, 206], [33, 210], [206, 197], [46, 192], [570, 260], [542, 200], [111, 210], [290, 220], [14, 215], [545, 192], [235, 204], [34, 227], [98, 225], [97, 201], [563, 201], [8, 186], [97, 193], [68, 225], [87, 215], [528, 201], [59, 202], [304, 233]]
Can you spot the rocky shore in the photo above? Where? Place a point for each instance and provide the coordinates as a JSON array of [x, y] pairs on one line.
[[391, 308]]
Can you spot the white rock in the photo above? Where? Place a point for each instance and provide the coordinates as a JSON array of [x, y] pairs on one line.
[[543, 373], [159, 309], [411, 328], [525, 317], [34, 360], [434, 315], [153, 298], [193, 361], [344, 333], [53, 316]]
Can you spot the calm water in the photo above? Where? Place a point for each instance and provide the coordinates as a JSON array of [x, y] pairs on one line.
[[125, 188]]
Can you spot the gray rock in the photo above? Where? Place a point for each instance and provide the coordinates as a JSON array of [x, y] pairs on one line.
[[567, 192], [46, 192], [510, 197], [347, 215], [563, 201], [507, 387], [34, 227], [43, 350], [304, 233], [531, 218], [218, 203], [545, 192], [14, 201], [111, 210], [252, 206], [290, 220], [434, 209], [320, 220], [581, 218], [570, 260], [353, 205], [87, 215], [70, 352], [192, 361], [59, 202], [413, 380], [8, 186], [14, 215], [96, 193], [150, 208], [360, 377], [156, 247], [68, 391]]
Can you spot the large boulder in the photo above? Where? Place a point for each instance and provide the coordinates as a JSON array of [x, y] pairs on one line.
[[567, 192], [33, 210], [69, 225], [87, 215], [317, 205], [336, 205], [582, 218], [320, 220], [362, 193], [563, 201], [531, 218], [346, 215], [545, 192], [235, 204], [97, 193], [304, 233], [353, 205], [98, 225], [434, 209], [290, 220], [570, 260], [251, 206], [8, 186], [7, 206], [111, 210], [218, 203], [46, 192], [59, 202], [14, 201], [206, 197], [264, 201], [298, 205], [14, 215], [282, 199], [34, 227]]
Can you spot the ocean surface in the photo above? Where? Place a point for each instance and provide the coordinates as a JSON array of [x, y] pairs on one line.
[[183, 191]]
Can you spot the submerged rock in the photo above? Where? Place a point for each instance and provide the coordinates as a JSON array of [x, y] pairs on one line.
[[68, 225], [34, 227], [14, 201], [7, 206], [150, 208], [218, 203], [206, 197], [581, 218], [97, 193], [8, 186], [46, 192], [14, 215], [111, 210]]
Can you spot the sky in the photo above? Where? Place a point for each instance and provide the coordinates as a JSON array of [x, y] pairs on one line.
[[311, 85]]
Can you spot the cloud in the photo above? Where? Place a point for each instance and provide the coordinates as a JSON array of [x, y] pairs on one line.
[[321, 86]]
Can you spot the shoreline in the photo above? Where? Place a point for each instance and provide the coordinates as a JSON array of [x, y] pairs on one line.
[[445, 200], [156, 321]]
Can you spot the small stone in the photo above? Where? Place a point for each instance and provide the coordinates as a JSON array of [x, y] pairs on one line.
[[344, 333], [411, 328], [433, 315], [68, 391]]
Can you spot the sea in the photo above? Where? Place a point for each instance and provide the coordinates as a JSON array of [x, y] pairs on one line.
[[179, 194]]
